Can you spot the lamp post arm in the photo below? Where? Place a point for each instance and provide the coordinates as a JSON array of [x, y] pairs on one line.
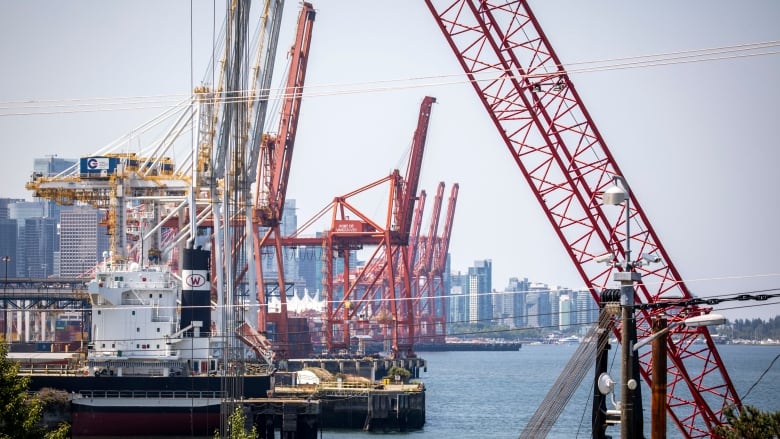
[[663, 332]]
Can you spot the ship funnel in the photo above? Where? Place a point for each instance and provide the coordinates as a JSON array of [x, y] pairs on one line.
[[196, 291]]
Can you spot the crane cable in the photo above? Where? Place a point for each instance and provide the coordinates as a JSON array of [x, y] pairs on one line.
[[568, 381]]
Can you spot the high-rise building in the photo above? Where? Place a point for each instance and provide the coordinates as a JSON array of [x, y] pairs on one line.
[[310, 265], [587, 309], [538, 307], [445, 290], [458, 304], [52, 165], [566, 317], [557, 318], [8, 237], [40, 243], [480, 288], [4, 206], [22, 211], [49, 167], [554, 296], [287, 226], [517, 290], [82, 240]]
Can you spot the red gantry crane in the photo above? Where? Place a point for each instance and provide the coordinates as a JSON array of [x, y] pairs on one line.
[[423, 301], [382, 288], [273, 171], [439, 270], [551, 136]]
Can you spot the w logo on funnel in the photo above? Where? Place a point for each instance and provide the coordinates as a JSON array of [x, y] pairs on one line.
[[195, 280]]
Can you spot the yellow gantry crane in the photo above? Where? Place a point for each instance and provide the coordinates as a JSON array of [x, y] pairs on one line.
[[109, 182]]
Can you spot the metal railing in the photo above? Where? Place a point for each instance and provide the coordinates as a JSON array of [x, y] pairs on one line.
[[153, 394]]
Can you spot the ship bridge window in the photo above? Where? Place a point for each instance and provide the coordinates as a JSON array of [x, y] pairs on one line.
[[133, 312], [137, 329]]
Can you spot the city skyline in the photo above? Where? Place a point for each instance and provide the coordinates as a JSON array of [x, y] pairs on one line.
[[472, 296], [703, 171]]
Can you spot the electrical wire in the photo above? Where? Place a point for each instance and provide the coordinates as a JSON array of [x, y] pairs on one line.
[[760, 378], [37, 107]]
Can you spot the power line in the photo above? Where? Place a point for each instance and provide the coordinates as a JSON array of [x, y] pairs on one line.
[[141, 102]]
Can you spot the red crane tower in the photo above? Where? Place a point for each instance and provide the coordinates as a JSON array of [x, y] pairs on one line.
[[563, 157], [423, 299], [439, 269], [383, 286], [273, 171]]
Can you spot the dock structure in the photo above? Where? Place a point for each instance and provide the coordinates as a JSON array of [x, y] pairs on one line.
[[369, 406], [367, 367], [295, 418], [343, 393]]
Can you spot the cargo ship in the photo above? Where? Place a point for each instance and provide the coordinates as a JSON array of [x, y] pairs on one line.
[[154, 362], [467, 346]]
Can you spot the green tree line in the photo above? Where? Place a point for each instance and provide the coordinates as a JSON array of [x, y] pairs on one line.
[[754, 329]]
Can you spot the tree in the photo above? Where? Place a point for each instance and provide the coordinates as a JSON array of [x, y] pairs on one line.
[[20, 414], [750, 423], [235, 427], [398, 371]]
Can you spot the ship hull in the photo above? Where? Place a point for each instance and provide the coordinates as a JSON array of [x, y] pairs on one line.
[[466, 346], [143, 406], [146, 417]]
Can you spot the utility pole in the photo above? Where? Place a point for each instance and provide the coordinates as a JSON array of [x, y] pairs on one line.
[[609, 306], [627, 336], [658, 398]]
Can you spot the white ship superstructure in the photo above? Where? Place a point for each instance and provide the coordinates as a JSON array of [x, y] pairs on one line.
[[136, 327]]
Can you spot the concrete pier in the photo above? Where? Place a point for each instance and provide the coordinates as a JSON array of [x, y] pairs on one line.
[[293, 418], [354, 393]]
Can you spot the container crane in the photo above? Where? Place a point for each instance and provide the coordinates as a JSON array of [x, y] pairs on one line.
[[439, 269], [387, 273], [404, 202], [273, 172], [423, 299], [554, 142]]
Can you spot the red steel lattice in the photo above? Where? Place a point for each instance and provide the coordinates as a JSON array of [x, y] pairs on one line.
[[552, 138]]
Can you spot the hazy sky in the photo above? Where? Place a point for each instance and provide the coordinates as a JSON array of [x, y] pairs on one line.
[[697, 141]]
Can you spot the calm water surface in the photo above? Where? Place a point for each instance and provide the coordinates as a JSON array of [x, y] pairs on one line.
[[493, 394]]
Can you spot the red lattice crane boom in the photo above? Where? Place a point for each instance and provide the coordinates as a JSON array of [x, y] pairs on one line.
[[273, 167], [563, 157], [423, 301], [273, 172], [407, 196], [439, 267]]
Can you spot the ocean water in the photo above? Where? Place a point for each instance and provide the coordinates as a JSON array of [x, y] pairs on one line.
[[476, 395], [493, 394]]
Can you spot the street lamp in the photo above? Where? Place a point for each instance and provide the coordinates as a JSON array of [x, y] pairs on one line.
[[615, 195], [658, 390], [692, 322], [5, 259]]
